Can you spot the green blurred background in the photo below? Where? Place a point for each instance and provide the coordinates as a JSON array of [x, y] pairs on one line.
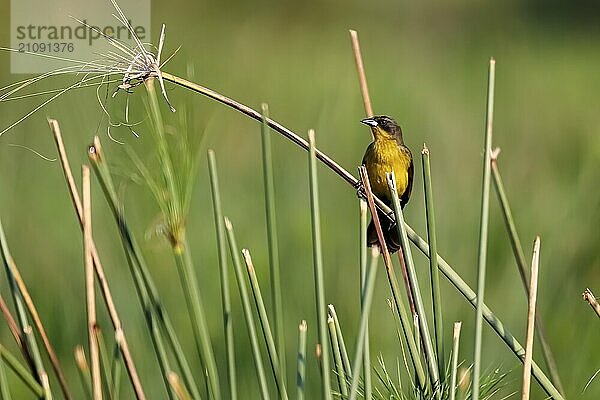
[[426, 65]]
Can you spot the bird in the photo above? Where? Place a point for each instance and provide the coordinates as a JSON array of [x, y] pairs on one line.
[[387, 153]]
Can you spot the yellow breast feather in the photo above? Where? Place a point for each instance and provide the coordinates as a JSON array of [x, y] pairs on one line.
[[384, 156]]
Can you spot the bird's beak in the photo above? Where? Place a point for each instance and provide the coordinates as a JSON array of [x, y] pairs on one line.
[[369, 121]]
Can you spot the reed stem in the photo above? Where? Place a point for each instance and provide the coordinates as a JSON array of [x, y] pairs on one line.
[[89, 285], [341, 341], [239, 276], [362, 76], [223, 269], [483, 229], [337, 357], [181, 251], [438, 321], [455, 344], [269, 187], [535, 261], [363, 280], [318, 267], [266, 327]]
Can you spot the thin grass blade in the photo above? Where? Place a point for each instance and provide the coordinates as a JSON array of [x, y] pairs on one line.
[[265, 325], [269, 188], [341, 341], [318, 267], [535, 261], [337, 357], [243, 290], [223, 269], [483, 229], [363, 280], [438, 320]]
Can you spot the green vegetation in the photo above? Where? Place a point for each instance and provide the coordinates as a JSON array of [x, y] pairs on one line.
[[186, 338]]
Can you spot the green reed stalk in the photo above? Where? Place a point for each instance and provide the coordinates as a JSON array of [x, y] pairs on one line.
[[407, 324], [183, 260], [515, 243], [181, 251], [341, 341], [368, 389], [26, 329], [272, 237], [4, 390], [535, 261], [266, 327], [364, 318], [318, 266], [223, 269], [414, 287], [301, 361], [438, 321], [455, 344], [483, 229], [239, 276], [337, 357], [21, 372]]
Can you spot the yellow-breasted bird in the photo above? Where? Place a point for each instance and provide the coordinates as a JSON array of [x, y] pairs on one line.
[[387, 153]]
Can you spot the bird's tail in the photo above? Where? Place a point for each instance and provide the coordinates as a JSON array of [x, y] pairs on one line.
[[390, 234]]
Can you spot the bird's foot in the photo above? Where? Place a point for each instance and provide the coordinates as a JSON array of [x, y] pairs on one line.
[[361, 192]]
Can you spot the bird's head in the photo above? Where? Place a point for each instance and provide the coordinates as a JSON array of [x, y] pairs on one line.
[[384, 127]]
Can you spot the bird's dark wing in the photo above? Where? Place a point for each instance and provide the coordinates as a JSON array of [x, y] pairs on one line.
[[406, 195]]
